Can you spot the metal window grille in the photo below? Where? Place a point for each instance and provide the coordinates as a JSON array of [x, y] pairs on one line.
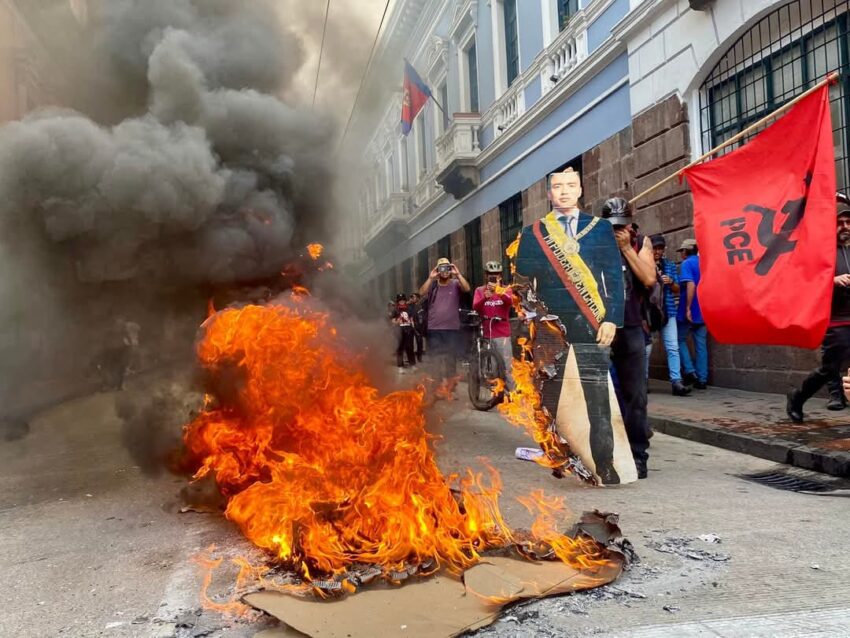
[[785, 53], [510, 222], [566, 9], [472, 65], [474, 259], [511, 41]]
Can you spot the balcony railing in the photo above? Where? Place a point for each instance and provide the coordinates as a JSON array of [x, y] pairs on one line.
[[564, 54], [509, 107], [460, 141], [457, 151], [426, 190], [393, 209]]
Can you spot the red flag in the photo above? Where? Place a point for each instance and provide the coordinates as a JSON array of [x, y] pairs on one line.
[[764, 217], [415, 95]]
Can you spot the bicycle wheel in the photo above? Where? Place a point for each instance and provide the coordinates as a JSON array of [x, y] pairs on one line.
[[486, 373]]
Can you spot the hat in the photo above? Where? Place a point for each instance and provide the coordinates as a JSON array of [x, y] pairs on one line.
[[688, 244], [493, 267], [400, 297], [617, 211], [842, 204], [442, 261], [658, 241]]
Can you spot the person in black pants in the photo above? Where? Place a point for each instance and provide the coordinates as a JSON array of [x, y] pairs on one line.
[[403, 319], [628, 352], [417, 312], [835, 350]]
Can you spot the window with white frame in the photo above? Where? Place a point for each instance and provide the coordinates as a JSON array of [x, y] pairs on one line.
[[389, 168], [506, 59], [511, 41], [421, 150], [471, 68], [440, 118], [467, 52], [378, 185], [404, 177], [566, 10], [444, 103]]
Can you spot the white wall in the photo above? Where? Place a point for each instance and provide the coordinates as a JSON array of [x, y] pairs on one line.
[[672, 47]]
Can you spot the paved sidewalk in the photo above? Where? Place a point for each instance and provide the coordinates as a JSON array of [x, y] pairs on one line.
[[756, 424]]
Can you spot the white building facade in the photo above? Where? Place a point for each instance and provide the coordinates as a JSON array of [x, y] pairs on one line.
[[626, 91]]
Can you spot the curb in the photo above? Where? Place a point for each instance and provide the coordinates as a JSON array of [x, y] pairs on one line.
[[835, 463]]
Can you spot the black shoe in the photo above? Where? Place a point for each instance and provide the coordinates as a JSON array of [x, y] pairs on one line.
[[641, 469], [794, 407], [690, 379], [836, 403], [700, 385], [680, 390]]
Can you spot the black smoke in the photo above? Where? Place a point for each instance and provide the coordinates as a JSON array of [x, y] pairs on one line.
[[215, 179], [173, 168]]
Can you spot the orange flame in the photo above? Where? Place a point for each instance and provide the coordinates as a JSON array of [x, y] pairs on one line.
[[320, 470], [315, 251]]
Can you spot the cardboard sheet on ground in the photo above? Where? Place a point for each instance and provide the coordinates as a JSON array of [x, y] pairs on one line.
[[573, 424], [436, 607]]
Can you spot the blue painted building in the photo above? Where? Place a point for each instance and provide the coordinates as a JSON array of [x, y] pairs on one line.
[[526, 86], [626, 91]]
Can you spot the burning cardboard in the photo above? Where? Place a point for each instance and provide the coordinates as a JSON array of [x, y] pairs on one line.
[[339, 486], [443, 606]]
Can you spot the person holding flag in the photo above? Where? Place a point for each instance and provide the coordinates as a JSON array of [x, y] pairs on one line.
[[835, 351]]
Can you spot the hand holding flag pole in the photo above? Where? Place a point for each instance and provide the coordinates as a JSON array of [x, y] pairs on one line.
[[832, 78], [764, 222]]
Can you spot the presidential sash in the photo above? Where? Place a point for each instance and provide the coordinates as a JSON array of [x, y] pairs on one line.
[[564, 255]]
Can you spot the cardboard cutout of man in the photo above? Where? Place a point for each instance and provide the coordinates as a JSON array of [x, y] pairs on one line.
[[571, 262]]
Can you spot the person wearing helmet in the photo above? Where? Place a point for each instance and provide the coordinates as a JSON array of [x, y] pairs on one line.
[[569, 262], [628, 352], [493, 302], [835, 351]]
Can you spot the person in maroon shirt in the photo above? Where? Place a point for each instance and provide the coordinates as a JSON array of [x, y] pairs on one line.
[[442, 291], [494, 307]]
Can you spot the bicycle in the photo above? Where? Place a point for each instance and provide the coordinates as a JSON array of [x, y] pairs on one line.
[[486, 376]]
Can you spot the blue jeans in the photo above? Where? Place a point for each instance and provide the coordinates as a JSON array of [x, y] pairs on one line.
[[700, 334], [670, 336]]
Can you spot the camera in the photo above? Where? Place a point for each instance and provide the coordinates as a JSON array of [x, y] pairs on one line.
[[444, 268]]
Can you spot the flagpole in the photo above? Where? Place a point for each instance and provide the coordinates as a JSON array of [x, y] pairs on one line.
[[437, 104], [830, 79]]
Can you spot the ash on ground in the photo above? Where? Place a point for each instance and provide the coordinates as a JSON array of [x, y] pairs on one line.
[[670, 566]]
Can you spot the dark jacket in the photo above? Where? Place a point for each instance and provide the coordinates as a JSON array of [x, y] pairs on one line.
[[598, 250]]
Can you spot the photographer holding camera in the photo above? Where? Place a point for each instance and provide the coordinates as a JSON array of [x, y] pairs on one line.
[[628, 352], [442, 291]]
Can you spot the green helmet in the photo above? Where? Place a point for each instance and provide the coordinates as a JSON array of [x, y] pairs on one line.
[[493, 268]]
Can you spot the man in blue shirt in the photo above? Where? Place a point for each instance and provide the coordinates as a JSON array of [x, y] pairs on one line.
[[690, 321], [669, 332]]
